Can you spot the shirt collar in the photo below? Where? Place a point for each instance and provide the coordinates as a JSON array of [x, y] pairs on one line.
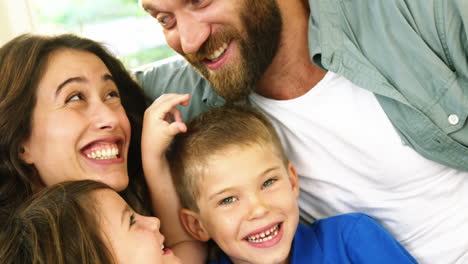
[[305, 248]]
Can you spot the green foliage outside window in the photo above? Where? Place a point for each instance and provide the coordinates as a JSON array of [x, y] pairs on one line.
[[73, 15], [146, 56]]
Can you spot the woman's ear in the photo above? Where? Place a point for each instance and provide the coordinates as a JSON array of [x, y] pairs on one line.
[[192, 224], [293, 179]]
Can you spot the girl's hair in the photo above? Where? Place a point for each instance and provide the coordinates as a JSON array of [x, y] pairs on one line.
[[22, 63], [57, 225]]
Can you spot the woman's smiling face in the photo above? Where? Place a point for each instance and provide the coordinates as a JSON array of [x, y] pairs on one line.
[[79, 128]]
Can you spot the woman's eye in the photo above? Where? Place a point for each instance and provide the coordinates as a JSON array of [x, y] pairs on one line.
[[74, 97], [132, 219], [113, 94], [228, 200], [268, 183]]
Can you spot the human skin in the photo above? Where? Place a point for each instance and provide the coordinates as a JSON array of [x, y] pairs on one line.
[[162, 121], [131, 237], [188, 26], [79, 127], [194, 22], [236, 53], [247, 204]]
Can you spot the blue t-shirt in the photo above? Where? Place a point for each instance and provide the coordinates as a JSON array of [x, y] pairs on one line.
[[348, 238]]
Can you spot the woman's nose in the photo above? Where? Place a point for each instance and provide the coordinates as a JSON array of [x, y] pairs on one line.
[[105, 117]]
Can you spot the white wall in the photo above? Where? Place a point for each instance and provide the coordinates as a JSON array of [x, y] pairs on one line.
[[15, 19]]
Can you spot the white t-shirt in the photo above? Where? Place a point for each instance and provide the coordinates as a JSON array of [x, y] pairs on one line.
[[350, 158]]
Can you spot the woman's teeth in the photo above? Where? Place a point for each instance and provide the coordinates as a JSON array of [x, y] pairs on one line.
[[108, 153], [264, 236], [217, 53]]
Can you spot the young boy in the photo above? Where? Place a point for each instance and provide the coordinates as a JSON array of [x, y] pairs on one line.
[[238, 188]]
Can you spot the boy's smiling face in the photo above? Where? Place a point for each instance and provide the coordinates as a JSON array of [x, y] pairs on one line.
[[248, 204]]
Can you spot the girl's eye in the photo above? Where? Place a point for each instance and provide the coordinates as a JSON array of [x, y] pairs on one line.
[[268, 183], [75, 97], [132, 219], [228, 200], [113, 94]]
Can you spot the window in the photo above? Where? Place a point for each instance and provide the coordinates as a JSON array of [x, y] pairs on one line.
[[130, 33]]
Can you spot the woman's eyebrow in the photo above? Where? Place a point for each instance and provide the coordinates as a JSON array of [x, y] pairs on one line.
[[67, 81], [107, 76], [79, 79]]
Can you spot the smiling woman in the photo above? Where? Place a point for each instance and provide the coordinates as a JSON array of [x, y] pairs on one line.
[[83, 98], [67, 112]]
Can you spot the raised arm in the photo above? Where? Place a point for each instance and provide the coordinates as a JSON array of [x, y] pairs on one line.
[[161, 123]]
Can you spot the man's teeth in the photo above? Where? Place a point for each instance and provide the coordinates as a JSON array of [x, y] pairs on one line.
[[217, 53], [264, 236], [108, 153]]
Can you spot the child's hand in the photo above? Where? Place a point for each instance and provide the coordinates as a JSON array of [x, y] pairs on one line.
[[162, 121]]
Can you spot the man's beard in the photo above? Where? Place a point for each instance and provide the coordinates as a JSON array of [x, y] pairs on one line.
[[258, 45]]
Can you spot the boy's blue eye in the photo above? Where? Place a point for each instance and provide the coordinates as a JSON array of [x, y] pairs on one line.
[[228, 200], [268, 183]]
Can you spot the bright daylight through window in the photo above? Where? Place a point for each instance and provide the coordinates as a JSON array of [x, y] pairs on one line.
[[122, 25]]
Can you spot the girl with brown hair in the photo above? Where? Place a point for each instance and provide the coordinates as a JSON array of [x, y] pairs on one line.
[[82, 222]]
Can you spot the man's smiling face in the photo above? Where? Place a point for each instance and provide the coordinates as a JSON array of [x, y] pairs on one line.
[[230, 42]]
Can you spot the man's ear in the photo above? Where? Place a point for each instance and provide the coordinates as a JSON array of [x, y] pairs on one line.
[[293, 179], [192, 224]]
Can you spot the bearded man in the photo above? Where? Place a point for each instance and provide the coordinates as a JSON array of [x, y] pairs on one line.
[[370, 99]]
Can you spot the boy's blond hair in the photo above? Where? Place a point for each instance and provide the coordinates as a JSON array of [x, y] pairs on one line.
[[212, 133]]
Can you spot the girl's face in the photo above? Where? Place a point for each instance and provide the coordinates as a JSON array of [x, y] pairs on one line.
[[132, 238], [79, 128]]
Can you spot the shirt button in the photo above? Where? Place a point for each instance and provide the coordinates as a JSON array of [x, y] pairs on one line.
[[453, 119]]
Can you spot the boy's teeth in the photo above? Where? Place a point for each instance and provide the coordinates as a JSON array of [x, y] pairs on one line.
[[217, 53], [106, 153], [264, 236]]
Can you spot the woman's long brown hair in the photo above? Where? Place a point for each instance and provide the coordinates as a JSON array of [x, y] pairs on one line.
[[22, 61]]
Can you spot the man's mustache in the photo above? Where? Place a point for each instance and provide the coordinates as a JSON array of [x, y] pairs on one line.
[[211, 45]]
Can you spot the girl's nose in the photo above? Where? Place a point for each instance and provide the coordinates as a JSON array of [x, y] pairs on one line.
[[152, 223]]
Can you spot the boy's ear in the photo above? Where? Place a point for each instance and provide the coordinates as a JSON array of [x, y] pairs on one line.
[[293, 178], [192, 224], [25, 154]]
